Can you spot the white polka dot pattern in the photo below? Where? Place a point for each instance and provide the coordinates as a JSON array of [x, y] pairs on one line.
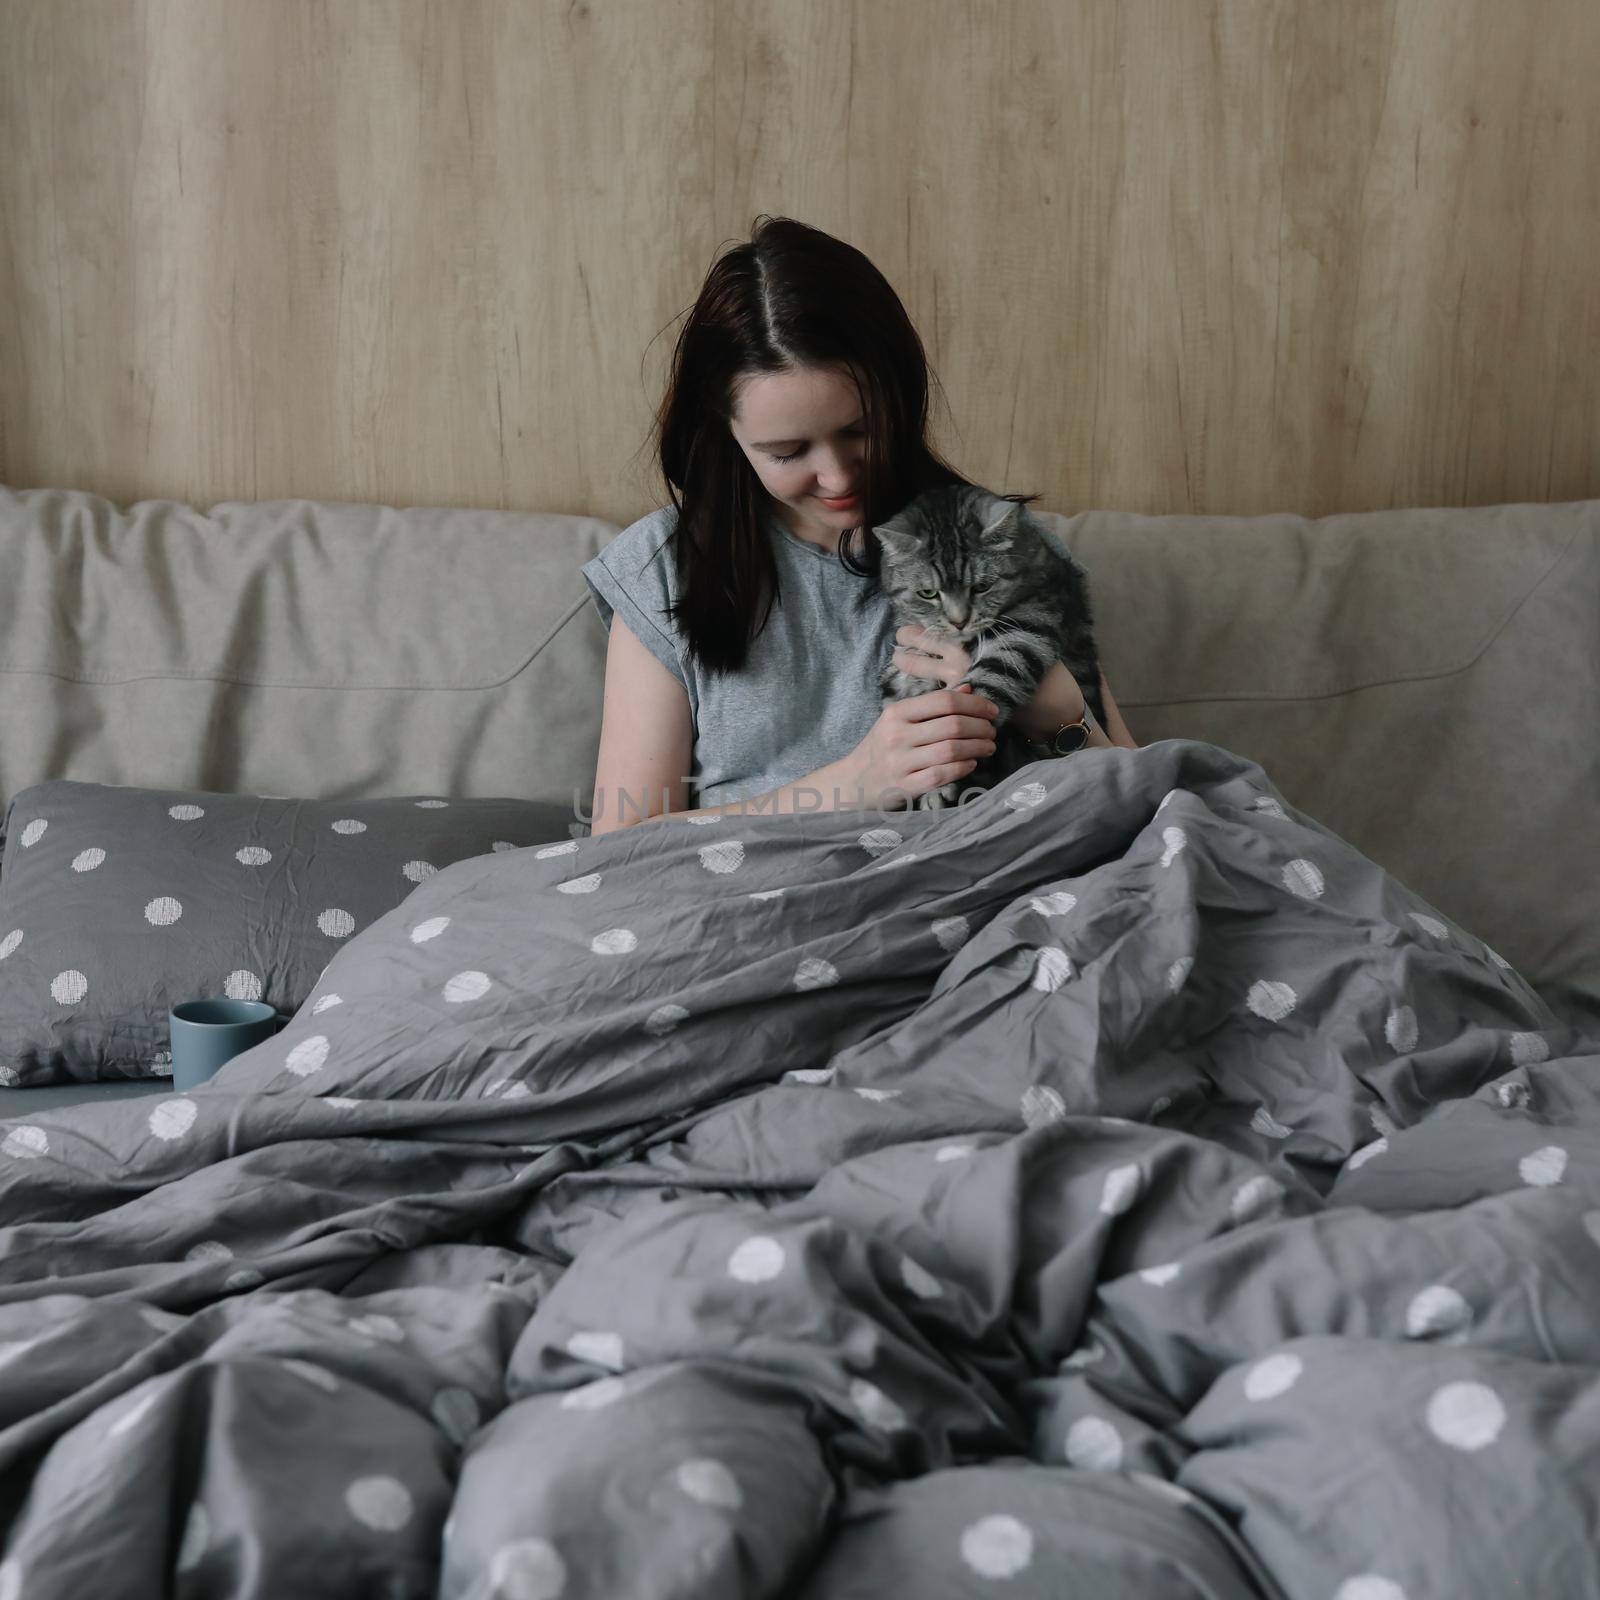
[[1057, 904], [186, 813], [815, 973], [382, 1503], [172, 1119], [242, 985], [808, 1075], [253, 855], [1120, 1190], [1544, 1168], [1466, 1416], [1369, 1586], [587, 884], [614, 942], [594, 1396], [1366, 1153], [1271, 1000], [69, 988], [1268, 1125], [997, 1547], [1052, 966], [465, 986], [163, 911], [1303, 878], [1400, 1029], [874, 1407], [431, 929], [1438, 1312], [664, 1019], [88, 860], [348, 825], [1094, 1445], [309, 1056], [335, 923], [602, 1349], [527, 1569], [34, 832], [418, 871], [1527, 1049], [710, 1483], [1254, 1197], [9, 944], [1276, 1375], [1041, 1105], [726, 855], [25, 1143], [757, 1260]]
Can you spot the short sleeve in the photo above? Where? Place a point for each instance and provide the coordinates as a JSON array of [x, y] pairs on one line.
[[632, 577]]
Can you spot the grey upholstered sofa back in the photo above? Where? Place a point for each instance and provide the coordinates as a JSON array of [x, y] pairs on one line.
[[297, 648], [1426, 683]]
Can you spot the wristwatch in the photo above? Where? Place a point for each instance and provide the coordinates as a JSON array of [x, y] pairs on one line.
[[1070, 738]]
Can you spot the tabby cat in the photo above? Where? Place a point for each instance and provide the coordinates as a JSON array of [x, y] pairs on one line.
[[976, 567]]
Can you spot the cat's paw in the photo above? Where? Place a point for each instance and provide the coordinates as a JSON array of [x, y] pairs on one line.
[[940, 799]]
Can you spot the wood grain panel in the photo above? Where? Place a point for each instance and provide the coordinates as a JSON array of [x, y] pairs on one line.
[[1166, 255]]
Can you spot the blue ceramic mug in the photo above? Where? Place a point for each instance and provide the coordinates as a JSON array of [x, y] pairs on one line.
[[206, 1033]]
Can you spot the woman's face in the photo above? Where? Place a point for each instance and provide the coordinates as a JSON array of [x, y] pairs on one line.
[[804, 434]]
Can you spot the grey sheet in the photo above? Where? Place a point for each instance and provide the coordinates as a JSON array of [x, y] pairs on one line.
[[1120, 1187]]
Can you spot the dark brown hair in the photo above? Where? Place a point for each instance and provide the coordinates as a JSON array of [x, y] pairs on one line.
[[792, 297]]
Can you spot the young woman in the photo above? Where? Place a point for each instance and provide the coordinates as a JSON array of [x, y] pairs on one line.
[[747, 625]]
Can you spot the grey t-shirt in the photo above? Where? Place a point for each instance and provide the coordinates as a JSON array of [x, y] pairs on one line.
[[808, 693]]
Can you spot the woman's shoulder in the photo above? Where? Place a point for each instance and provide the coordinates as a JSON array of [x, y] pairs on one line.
[[637, 552], [646, 535]]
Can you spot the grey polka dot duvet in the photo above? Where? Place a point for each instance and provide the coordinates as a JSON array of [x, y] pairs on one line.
[[1118, 1187]]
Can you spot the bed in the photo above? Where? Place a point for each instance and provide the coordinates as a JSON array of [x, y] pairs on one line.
[[1175, 1173]]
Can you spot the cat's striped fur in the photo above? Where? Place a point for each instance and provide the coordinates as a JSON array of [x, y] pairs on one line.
[[976, 567]]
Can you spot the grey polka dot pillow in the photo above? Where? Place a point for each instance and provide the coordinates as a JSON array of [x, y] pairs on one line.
[[115, 903]]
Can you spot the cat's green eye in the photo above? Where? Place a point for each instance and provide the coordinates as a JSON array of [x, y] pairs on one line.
[[927, 594]]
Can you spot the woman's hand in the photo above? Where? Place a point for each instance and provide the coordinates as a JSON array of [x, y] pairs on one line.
[[916, 745], [920, 654]]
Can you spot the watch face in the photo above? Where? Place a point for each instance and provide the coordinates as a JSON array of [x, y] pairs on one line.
[[1071, 739]]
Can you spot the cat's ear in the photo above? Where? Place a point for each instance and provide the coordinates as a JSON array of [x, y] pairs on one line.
[[897, 538], [1003, 520]]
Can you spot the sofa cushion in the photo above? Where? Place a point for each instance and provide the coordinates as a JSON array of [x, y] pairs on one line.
[[297, 647]]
